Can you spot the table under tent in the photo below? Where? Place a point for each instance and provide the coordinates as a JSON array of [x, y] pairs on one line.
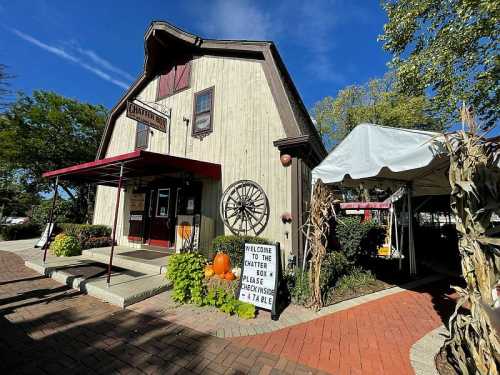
[[411, 167]]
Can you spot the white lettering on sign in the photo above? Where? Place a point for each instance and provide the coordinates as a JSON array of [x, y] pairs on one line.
[[259, 275]]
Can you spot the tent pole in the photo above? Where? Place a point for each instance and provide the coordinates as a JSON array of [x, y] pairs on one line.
[[51, 218], [411, 244], [113, 237]]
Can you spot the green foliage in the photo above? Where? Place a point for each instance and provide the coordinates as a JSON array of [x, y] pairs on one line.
[[88, 235], [358, 240], [355, 279], [65, 246], [376, 102], [334, 266], [449, 48], [185, 271], [19, 231], [298, 286], [222, 295], [234, 246], [245, 310], [63, 212], [45, 132]]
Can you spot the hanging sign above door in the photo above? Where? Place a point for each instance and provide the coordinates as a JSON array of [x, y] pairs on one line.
[[141, 112]]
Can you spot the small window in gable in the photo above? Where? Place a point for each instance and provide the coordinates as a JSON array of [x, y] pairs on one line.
[[174, 79], [203, 112], [141, 136]]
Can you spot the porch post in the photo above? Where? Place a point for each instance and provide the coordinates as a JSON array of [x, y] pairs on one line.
[[51, 218], [113, 237]]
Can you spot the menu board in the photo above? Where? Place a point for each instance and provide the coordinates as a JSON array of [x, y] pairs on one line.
[[259, 276]]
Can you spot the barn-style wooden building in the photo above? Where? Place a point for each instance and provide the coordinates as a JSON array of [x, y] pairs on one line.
[[213, 138]]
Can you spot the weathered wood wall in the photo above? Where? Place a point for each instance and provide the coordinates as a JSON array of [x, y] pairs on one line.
[[246, 122]]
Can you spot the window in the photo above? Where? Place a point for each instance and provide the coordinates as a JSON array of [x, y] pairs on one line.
[[141, 135], [162, 202], [175, 78], [203, 109]]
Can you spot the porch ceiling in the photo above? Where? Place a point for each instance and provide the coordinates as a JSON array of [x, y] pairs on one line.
[[138, 163]]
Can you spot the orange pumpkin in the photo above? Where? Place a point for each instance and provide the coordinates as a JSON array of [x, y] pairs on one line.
[[222, 264], [229, 276]]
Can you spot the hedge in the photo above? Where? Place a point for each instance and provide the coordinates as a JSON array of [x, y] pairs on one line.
[[19, 231], [234, 246], [89, 236]]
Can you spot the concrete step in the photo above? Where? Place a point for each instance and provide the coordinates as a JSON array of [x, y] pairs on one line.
[[126, 287], [120, 259]]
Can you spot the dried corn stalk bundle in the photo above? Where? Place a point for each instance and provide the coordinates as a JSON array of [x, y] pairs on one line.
[[473, 346], [321, 212]]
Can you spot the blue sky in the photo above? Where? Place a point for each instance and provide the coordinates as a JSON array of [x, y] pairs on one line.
[[92, 50]]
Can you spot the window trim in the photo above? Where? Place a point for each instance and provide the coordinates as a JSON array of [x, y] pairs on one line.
[[197, 133], [147, 131], [159, 97], [158, 200]]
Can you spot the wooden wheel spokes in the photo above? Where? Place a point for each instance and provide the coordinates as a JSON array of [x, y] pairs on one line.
[[244, 208]]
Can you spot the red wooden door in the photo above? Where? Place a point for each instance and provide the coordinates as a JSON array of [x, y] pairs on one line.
[[161, 217]]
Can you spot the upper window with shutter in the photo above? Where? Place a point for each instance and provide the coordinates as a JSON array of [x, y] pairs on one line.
[[174, 79]]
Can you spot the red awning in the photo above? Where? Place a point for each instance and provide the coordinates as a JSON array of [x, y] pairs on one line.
[[365, 205], [139, 163]]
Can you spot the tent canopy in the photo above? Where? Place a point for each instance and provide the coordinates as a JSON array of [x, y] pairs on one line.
[[388, 157]]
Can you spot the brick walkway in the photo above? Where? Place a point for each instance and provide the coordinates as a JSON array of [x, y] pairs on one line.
[[46, 327], [372, 338]]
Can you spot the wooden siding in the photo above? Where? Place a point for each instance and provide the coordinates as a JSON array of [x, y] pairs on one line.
[[245, 124]]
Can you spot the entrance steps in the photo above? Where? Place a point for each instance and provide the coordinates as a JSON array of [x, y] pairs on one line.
[[137, 274], [139, 260]]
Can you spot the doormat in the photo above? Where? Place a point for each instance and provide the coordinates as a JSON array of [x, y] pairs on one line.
[[143, 254]]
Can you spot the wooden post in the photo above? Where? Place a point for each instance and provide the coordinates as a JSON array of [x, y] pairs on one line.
[[50, 220], [113, 237]]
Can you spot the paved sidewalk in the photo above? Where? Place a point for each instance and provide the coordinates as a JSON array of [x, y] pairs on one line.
[[372, 338], [48, 328]]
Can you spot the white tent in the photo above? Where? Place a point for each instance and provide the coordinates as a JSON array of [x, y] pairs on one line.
[[381, 156], [384, 156]]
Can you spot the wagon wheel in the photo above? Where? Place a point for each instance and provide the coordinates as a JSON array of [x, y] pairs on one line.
[[244, 208]]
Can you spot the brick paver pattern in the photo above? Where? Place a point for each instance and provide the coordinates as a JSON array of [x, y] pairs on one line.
[[46, 327], [372, 338]]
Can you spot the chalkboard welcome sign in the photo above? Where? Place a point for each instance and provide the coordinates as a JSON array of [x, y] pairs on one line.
[[260, 276]]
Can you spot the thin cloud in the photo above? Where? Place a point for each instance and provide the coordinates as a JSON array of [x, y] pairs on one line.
[[66, 56], [238, 19], [105, 64]]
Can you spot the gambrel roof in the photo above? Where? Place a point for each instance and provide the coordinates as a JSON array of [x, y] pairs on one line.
[[298, 126]]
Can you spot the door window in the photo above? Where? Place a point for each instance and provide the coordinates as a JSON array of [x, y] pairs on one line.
[[162, 202]]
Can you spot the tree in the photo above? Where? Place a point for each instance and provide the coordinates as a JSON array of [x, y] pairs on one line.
[[374, 102], [448, 48], [4, 91], [45, 132]]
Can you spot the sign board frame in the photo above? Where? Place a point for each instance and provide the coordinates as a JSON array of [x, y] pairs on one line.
[[138, 111], [277, 280], [47, 232]]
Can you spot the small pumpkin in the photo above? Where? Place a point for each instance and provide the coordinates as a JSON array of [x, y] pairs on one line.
[[209, 272], [229, 276], [222, 263]]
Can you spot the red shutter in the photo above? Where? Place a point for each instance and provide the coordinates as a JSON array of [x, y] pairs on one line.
[[166, 83], [182, 74]]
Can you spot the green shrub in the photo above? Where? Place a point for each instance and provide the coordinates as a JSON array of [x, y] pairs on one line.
[[65, 246], [185, 271], [88, 235], [358, 240], [298, 286], [245, 310], [19, 231], [234, 246], [334, 266], [355, 279]]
